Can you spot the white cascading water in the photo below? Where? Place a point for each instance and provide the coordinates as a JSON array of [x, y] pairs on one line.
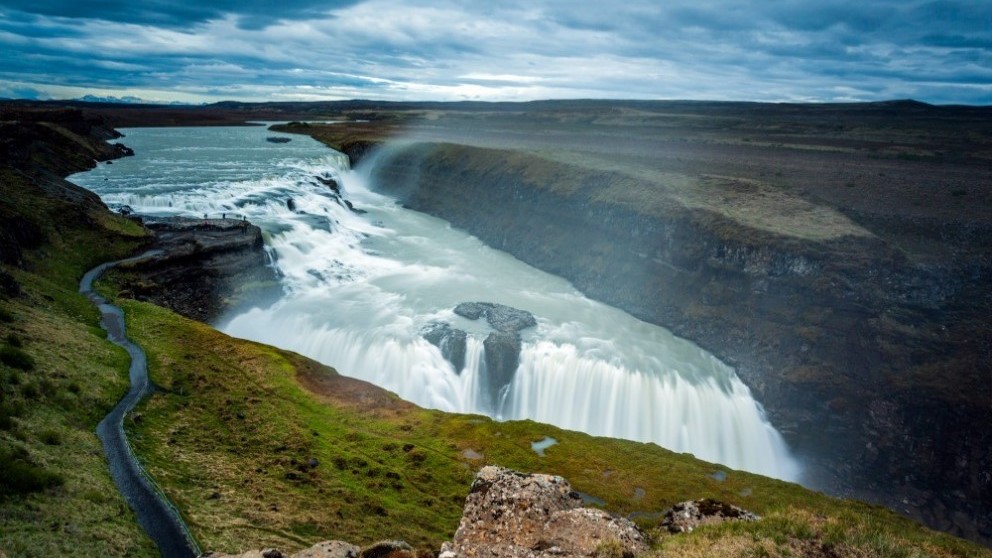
[[359, 288]]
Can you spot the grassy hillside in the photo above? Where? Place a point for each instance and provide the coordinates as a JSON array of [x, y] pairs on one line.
[[58, 377]]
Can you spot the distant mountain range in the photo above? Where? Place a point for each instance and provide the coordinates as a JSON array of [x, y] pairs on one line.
[[128, 100]]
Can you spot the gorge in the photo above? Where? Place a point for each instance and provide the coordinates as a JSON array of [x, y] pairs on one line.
[[843, 278], [360, 288]]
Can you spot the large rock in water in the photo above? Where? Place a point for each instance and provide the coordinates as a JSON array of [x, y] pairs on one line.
[[499, 316], [502, 347], [451, 341], [514, 515], [502, 353]]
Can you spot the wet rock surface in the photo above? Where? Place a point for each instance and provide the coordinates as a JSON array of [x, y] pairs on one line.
[[500, 317], [502, 347], [684, 517], [502, 355], [331, 183], [511, 514], [450, 340], [336, 193], [205, 267]]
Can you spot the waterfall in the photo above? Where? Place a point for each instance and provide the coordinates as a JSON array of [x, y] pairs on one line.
[[361, 287]]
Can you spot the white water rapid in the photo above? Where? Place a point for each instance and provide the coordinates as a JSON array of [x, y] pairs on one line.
[[358, 289]]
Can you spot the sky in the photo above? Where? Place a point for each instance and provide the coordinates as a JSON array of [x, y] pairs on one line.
[[937, 51]]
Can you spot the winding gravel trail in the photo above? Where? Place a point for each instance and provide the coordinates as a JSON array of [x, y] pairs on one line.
[[156, 514]]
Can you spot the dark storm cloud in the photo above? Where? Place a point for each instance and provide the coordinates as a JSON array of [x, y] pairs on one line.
[[177, 13], [827, 50]]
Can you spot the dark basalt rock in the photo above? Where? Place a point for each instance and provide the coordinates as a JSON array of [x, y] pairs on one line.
[[502, 350], [121, 150], [330, 183], [278, 139], [502, 347], [354, 209], [500, 317], [336, 195], [451, 341], [203, 267], [389, 548], [471, 310]]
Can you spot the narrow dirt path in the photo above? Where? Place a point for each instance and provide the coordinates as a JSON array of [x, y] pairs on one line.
[[156, 514]]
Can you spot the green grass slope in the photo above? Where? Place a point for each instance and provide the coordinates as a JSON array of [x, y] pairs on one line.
[[58, 377]]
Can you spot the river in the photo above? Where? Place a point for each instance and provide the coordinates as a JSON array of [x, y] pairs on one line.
[[358, 289]]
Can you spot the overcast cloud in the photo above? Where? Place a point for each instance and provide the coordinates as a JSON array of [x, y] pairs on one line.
[[788, 50]]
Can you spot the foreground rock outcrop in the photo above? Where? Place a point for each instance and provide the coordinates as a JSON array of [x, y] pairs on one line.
[[515, 515], [507, 514]]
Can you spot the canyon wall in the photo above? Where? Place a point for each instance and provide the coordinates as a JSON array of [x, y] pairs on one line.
[[870, 363]]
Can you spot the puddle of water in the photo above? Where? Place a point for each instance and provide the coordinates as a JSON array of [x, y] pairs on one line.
[[590, 499], [542, 445], [471, 454]]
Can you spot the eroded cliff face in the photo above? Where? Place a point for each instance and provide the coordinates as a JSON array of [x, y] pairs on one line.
[[203, 267], [873, 364]]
